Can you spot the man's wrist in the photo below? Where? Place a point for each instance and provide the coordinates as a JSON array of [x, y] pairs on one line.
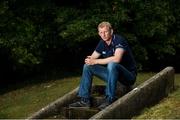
[[96, 62]]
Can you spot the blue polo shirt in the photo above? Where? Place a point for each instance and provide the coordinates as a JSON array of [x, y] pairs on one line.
[[118, 42]]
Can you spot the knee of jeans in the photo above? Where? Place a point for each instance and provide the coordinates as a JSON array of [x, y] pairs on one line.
[[86, 67], [112, 65]]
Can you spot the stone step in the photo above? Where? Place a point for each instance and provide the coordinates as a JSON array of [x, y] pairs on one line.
[[80, 113], [99, 90], [63, 112], [96, 101], [74, 113]]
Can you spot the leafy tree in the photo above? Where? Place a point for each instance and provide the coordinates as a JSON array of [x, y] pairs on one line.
[[37, 35]]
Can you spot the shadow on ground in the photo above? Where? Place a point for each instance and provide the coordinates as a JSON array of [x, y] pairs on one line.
[[16, 83]]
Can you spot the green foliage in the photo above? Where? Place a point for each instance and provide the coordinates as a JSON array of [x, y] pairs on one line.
[[74, 31], [17, 36], [22, 35], [40, 33]]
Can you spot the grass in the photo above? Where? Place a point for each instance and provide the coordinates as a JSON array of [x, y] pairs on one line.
[[168, 108], [23, 101]]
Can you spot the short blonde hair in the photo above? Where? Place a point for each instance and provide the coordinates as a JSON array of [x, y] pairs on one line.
[[105, 24]]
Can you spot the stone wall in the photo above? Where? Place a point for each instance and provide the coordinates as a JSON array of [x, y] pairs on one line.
[[148, 93]]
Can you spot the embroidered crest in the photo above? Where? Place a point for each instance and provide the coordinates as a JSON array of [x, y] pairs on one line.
[[103, 52]]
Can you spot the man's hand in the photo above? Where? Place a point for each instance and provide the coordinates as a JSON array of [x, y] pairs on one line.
[[90, 61]]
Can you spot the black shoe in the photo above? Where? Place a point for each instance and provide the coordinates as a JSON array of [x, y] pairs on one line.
[[80, 104], [104, 104]]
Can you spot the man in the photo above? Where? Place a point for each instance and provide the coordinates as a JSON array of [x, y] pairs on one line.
[[111, 60]]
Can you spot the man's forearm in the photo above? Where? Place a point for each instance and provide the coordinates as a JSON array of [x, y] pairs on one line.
[[105, 61]]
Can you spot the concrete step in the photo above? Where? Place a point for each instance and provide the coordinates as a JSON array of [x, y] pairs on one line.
[[96, 101], [80, 113], [63, 112], [74, 113], [99, 90]]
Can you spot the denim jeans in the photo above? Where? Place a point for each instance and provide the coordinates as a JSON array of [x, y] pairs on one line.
[[110, 74]]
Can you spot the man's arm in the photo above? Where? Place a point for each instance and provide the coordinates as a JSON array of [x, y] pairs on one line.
[[95, 55], [93, 59], [116, 58]]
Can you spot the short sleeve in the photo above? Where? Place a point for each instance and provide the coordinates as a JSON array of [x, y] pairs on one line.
[[99, 47], [120, 43]]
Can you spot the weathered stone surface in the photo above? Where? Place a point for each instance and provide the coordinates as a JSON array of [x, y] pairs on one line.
[[80, 113], [146, 94]]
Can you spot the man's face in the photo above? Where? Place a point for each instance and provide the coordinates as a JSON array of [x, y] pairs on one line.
[[105, 33]]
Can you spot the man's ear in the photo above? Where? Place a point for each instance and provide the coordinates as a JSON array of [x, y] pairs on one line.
[[111, 31]]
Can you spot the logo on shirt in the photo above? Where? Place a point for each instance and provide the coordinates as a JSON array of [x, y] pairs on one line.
[[103, 52], [119, 45]]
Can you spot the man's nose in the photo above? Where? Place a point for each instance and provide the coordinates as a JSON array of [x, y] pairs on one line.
[[104, 34]]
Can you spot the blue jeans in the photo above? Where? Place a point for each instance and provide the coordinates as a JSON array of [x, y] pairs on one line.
[[110, 74]]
